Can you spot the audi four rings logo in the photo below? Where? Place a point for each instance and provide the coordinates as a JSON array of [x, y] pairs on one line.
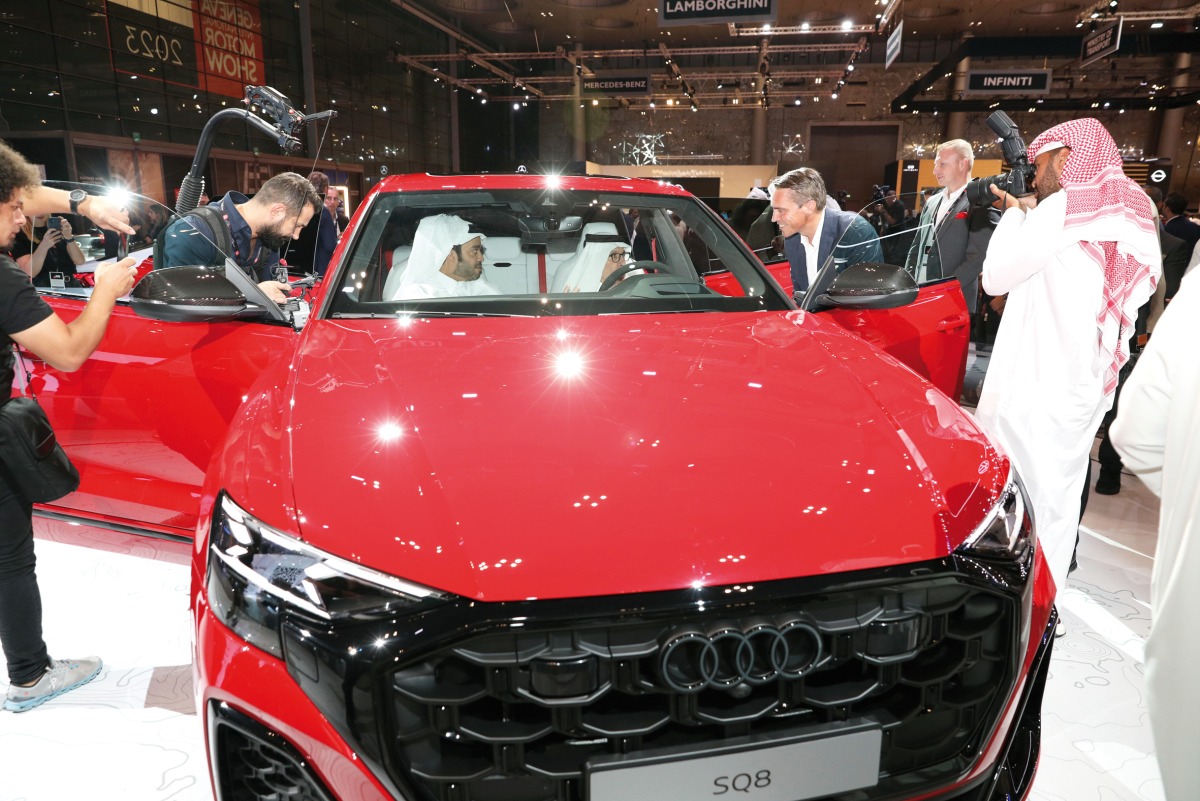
[[692, 660]]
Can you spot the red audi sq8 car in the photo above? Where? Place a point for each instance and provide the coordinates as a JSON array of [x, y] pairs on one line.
[[624, 520]]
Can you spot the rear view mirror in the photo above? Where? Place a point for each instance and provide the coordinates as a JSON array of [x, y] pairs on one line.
[[189, 294]]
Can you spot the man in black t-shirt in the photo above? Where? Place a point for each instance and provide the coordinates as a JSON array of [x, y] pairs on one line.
[[34, 677]]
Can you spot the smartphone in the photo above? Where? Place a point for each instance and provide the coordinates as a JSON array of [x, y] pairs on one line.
[[55, 223]]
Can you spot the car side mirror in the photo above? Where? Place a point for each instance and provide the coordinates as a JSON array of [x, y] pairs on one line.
[[190, 294], [869, 286]]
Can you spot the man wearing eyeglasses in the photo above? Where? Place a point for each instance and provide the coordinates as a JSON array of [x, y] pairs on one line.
[[446, 261]]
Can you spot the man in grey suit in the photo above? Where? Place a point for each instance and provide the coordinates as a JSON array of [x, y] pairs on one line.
[[953, 235]]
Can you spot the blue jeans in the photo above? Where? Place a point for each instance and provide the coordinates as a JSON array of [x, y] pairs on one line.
[[20, 600]]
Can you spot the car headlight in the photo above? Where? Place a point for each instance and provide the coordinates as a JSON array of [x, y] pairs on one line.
[[1007, 532], [257, 574]]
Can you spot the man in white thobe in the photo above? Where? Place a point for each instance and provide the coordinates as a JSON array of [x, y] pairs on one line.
[[1076, 263], [446, 261], [1157, 433]]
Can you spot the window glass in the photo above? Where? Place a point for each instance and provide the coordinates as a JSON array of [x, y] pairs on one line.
[[544, 251]]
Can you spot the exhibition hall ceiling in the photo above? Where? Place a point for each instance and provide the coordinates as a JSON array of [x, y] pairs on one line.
[[526, 50], [539, 25]]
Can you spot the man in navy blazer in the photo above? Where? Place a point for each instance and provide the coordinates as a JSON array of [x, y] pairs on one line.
[[814, 234]]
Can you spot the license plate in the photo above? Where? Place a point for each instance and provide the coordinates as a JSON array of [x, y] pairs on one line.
[[787, 769]]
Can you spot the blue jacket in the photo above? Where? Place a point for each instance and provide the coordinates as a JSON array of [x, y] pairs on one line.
[[847, 236], [187, 243]]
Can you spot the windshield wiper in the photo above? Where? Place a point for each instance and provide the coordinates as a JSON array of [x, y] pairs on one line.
[[395, 315]]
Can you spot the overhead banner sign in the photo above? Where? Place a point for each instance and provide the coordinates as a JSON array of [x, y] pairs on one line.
[[893, 42], [229, 43], [616, 85], [695, 12], [1104, 41], [214, 45], [1024, 82]]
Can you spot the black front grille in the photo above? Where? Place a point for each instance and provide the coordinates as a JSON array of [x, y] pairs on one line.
[[516, 714], [254, 763]]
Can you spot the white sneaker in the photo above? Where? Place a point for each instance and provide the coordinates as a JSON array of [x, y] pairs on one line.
[[62, 676]]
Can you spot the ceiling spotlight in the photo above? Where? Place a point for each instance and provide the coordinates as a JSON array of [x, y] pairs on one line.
[[797, 102], [834, 95], [850, 67]]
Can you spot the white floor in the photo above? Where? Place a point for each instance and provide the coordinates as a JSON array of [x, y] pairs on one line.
[[132, 735]]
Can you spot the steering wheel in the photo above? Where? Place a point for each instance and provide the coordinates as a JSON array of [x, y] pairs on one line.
[[619, 273]]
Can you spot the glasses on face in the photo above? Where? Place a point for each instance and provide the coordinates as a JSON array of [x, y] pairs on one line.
[[617, 255]]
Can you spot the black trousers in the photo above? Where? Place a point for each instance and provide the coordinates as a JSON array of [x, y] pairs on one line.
[[20, 600]]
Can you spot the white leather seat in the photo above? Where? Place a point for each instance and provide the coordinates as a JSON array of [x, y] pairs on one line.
[[399, 261]]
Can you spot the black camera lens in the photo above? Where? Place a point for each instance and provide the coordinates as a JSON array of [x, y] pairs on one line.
[[979, 192]]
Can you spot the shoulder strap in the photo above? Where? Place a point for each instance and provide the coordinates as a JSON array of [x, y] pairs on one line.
[[208, 217], [22, 372], [222, 237]]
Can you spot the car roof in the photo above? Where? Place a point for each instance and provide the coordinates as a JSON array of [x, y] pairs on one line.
[[426, 182]]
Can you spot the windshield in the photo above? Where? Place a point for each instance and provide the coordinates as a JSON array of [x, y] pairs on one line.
[[493, 250]]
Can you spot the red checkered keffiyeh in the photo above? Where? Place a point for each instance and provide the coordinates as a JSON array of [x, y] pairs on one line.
[[1112, 219]]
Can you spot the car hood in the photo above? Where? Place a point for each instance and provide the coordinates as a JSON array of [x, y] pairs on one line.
[[504, 459]]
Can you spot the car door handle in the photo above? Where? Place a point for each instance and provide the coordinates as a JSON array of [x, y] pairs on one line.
[[955, 322]]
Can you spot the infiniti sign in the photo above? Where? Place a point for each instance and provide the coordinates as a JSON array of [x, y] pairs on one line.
[[724, 657]]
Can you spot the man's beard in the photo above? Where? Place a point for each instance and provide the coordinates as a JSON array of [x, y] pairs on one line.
[[467, 272], [1048, 185], [272, 238]]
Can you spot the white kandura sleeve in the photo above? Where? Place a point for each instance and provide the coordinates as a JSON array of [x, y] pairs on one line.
[[1023, 244]]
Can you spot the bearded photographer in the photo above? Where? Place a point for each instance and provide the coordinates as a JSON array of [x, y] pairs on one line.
[[1076, 260], [257, 228]]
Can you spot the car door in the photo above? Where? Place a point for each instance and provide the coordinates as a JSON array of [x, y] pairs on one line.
[[141, 418], [931, 335]]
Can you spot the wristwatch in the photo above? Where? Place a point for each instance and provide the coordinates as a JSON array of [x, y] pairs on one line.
[[76, 197]]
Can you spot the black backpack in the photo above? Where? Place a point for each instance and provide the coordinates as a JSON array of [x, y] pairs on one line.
[[201, 217]]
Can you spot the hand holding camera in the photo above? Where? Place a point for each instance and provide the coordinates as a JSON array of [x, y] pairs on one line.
[[1016, 183]]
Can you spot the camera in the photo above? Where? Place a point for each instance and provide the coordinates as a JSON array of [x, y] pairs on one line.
[[55, 223], [878, 192], [1019, 180]]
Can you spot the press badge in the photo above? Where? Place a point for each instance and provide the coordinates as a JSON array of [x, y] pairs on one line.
[[58, 281]]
